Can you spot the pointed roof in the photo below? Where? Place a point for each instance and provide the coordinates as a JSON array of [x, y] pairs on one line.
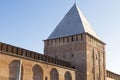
[[73, 23]]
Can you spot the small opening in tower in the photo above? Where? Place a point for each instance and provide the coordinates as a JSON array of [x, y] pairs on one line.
[[96, 57], [46, 78], [73, 67], [72, 55], [92, 70], [81, 37], [72, 39], [63, 40]]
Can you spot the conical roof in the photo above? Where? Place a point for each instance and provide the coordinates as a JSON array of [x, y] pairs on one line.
[[73, 23]]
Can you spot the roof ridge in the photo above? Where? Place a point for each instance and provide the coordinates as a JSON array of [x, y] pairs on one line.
[[85, 21], [74, 22]]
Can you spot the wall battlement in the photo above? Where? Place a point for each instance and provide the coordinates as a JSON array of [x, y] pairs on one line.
[[112, 75], [6, 48], [73, 38], [64, 40]]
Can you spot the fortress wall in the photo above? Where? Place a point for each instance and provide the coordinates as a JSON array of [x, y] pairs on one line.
[[112, 76], [6, 48], [31, 64]]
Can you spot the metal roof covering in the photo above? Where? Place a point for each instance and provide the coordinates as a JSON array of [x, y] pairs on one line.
[[73, 23]]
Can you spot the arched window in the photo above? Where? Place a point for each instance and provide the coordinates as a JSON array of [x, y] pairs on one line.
[[15, 70], [37, 72], [54, 74], [68, 76]]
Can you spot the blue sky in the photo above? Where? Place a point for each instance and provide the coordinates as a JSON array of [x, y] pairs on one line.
[[25, 23]]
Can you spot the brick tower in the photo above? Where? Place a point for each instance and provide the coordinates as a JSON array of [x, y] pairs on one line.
[[75, 41]]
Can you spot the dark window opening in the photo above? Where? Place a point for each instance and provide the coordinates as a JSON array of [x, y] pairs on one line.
[[81, 37], [96, 57], [72, 39], [46, 78], [67, 39], [72, 55], [73, 67]]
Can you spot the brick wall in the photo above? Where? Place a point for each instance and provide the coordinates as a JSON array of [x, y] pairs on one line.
[[30, 54], [32, 64], [112, 76], [78, 49]]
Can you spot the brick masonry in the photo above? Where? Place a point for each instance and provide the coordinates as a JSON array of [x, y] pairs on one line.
[[83, 51]]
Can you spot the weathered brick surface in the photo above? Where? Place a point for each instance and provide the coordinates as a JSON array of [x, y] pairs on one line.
[[78, 50], [71, 49], [95, 59]]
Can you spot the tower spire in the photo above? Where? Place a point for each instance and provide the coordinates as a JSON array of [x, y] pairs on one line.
[[75, 1], [73, 23]]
